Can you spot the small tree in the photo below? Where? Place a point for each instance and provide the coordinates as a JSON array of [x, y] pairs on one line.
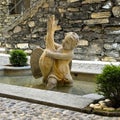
[[109, 84], [18, 58]]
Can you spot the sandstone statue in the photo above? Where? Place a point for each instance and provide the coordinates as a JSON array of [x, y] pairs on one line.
[[53, 62]]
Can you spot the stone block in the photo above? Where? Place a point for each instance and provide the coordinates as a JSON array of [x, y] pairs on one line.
[[31, 24], [83, 43], [17, 29], [113, 53], [108, 5], [71, 1], [51, 3], [116, 11], [92, 1], [118, 2], [81, 50], [28, 52], [109, 109], [23, 45], [61, 10], [117, 39], [33, 46], [45, 5], [77, 15], [112, 30], [75, 21], [96, 29], [8, 46], [101, 15], [73, 9], [108, 46], [115, 21], [95, 49], [3, 3], [96, 21], [35, 35]]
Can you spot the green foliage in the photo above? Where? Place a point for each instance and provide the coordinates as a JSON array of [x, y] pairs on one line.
[[18, 58], [108, 83]]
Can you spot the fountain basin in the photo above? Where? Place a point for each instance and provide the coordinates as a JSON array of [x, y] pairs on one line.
[[83, 72]]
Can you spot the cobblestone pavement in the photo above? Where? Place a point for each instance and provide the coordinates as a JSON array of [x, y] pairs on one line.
[[19, 110]]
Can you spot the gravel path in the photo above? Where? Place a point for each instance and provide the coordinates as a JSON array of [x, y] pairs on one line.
[[19, 110]]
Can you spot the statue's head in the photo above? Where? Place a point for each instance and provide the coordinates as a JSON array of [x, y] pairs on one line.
[[70, 41]]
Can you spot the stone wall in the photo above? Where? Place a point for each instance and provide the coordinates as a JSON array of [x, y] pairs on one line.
[[3, 12], [96, 21]]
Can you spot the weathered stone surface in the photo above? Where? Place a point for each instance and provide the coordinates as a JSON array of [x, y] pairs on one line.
[[91, 19], [115, 21], [95, 49], [35, 36], [115, 45], [96, 29], [109, 109], [83, 43], [52, 3], [72, 1], [118, 2], [73, 9], [109, 59], [116, 11], [28, 52], [45, 5], [8, 45], [61, 10], [101, 15], [111, 38], [112, 30], [33, 46], [22, 45], [92, 1], [17, 29], [31, 24], [96, 21], [3, 2], [80, 50], [107, 5], [108, 46], [77, 16], [112, 53], [44, 97], [75, 21]]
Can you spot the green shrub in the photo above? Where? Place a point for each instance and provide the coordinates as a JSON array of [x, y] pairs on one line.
[[108, 84], [18, 58]]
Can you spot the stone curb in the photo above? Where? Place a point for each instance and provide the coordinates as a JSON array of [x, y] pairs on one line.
[[90, 67], [15, 71], [45, 97], [78, 66], [54, 99]]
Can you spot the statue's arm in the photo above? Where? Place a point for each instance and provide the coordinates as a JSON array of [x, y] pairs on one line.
[[56, 55], [57, 45], [51, 28]]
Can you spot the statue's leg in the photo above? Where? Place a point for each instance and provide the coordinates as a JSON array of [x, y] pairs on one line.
[[68, 79], [51, 83]]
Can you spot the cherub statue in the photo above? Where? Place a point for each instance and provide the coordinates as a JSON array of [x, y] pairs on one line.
[[55, 59]]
